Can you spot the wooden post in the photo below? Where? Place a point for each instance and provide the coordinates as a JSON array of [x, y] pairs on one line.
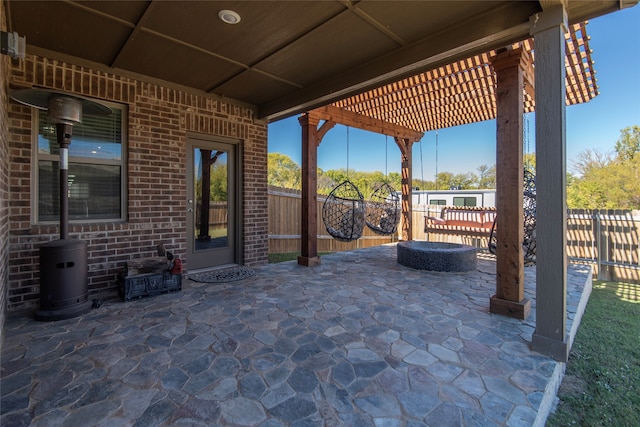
[[548, 29], [407, 179], [509, 298], [309, 224]]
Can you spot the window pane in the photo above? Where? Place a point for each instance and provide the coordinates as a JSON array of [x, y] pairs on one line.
[[211, 181], [97, 137], [94, 191], [458, 201]]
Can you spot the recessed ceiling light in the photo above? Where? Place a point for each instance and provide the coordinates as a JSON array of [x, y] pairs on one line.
[[229, 16]]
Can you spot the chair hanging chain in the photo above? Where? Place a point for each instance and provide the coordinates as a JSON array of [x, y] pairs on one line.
[[525, 141], [421, 164], [437, 161], [528, 136], [347, 152], [386, 154]]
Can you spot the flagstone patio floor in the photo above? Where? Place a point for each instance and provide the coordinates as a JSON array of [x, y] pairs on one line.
[[357, 341]]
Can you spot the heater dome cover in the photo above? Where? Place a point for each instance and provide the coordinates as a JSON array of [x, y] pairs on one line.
[[39, 98]]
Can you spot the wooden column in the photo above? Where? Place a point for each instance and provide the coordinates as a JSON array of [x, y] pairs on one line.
[[509, 299], [548, 29], [309, 224], [407, 179]]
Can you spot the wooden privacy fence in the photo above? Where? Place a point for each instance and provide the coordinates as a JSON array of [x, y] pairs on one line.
[[217, 214], [284, 226], [607, 239]]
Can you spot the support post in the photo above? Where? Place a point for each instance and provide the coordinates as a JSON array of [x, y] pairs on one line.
[[509, 298], [549, 338], [407, 180], [309, 221]]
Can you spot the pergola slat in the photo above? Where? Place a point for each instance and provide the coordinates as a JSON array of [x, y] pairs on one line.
[[464, 92]]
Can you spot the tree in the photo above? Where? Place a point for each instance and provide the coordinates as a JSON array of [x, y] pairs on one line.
[[486, 176], [444, 180], [628, 145], [588, 160], [423, 185], [219, 182], [608, 182], [529, 160], [283, 172], [325, 183], [464, 181]]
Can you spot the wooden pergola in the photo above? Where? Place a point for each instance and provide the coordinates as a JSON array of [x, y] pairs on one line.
[[465, 92], [500, 85]]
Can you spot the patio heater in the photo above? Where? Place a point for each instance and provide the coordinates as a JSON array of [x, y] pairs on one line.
[[63, 263]]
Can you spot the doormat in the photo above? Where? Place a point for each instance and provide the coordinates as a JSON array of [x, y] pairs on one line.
[[230, 274]]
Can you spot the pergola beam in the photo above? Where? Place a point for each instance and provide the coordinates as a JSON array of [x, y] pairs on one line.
[[359, 121]]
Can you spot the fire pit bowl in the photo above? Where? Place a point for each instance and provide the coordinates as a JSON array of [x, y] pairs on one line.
[[437, 256]]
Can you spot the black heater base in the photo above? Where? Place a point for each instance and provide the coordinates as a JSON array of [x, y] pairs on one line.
[[63, 313], [63, 280]]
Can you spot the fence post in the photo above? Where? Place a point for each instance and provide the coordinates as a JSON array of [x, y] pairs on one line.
[[603, 246], [598, 237]]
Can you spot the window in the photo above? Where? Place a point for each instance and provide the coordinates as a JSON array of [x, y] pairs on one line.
[[96, 165], [441, 202], [464, 201]]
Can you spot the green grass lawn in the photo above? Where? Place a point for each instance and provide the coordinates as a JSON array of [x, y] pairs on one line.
[[602, 382]]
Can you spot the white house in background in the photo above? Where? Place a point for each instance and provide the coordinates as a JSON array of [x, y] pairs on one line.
[[476, 197]]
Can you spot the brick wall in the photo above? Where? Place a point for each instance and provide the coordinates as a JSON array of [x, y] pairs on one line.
[[4, 180], [159, 120]]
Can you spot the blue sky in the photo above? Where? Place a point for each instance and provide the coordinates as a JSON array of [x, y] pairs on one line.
[[615, 42]]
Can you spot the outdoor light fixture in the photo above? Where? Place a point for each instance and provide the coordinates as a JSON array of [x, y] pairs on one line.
[[63, 263], [229, 16]]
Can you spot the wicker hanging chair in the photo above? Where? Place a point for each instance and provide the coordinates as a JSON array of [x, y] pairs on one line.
[[343, 212], [529, 202], [383, 210], [529, 210]]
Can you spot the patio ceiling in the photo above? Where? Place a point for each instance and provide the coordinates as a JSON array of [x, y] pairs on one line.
[[283, 57]]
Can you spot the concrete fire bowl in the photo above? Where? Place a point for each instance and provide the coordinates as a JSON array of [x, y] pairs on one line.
[[437, 256]]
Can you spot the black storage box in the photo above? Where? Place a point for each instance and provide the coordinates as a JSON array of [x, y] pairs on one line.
[[142, 285]]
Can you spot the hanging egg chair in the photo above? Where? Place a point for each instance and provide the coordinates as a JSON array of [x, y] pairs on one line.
[[529, 202], [343, 212], [383, 210], [529, 211]]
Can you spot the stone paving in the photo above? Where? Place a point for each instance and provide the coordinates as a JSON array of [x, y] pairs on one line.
[[357, 341]]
